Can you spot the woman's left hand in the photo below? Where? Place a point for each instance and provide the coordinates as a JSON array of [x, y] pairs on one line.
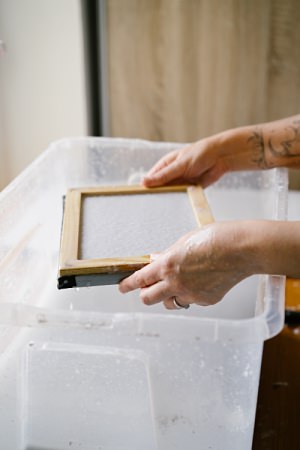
[[200, 268]]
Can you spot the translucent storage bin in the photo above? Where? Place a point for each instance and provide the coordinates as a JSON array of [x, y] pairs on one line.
[[90, 369]]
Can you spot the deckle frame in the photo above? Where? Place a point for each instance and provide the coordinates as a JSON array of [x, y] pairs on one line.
[[69, 262]]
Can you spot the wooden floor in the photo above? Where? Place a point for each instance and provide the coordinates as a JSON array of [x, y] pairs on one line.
[[277, 424]]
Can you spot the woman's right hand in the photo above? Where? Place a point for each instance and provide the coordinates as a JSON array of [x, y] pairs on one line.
[[199, 162], [263, 146], [206, 160]]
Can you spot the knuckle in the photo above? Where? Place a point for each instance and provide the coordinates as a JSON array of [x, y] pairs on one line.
[[140, 280], [168, 266]]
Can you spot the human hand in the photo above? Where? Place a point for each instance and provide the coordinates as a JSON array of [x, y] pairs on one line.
[[195, 163], [200, 268], [256, 147]]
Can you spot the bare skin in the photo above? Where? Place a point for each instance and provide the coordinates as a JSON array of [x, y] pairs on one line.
[[273, 144], [204, 265]]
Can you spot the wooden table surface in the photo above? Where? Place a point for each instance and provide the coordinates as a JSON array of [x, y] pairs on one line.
[[277, 425]]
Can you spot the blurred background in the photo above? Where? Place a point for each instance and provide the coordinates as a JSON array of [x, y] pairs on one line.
[[174, 70]]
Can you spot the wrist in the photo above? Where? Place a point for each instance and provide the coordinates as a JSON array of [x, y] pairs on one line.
[[282, 143], [248, 237], [270, 247], [240, 149], [238, 245]]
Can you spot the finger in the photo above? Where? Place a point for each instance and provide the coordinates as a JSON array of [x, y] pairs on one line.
[[165, 175], [170, 304], [156, 293], [140, 279], [154, 256], [159, 173], [163, 162]]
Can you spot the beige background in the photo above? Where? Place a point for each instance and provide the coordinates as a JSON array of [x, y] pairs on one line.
[[183, 69], [177, 70], [42, 79]]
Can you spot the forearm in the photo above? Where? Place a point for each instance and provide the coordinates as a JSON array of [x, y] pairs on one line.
[[263, 146], [271, 247]]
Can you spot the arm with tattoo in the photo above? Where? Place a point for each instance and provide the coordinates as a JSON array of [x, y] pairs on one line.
[[276, 144], [283, 142], [204, 265], [273, 144]]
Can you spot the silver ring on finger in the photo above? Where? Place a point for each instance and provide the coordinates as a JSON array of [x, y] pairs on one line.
[[178, 305]]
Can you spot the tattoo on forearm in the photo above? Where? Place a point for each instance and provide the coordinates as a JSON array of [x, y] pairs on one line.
[[257, 141], [279, 144], [289, 147]]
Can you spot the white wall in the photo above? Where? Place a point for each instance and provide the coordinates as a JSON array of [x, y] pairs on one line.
[[42, 79]]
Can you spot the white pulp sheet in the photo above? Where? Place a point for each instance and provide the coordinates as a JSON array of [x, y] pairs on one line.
[[133, 225]]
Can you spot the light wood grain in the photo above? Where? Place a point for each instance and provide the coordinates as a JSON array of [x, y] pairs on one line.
[[70, 262], [71, 228], [200, 205], [184, 69], [104, 265], [128, 189]]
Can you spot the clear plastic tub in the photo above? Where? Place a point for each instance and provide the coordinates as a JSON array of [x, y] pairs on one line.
[[92, 369]]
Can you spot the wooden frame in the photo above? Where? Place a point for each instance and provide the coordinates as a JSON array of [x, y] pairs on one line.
[[74, 271]]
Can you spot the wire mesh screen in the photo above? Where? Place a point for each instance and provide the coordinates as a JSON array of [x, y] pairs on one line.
[[131, 225]]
